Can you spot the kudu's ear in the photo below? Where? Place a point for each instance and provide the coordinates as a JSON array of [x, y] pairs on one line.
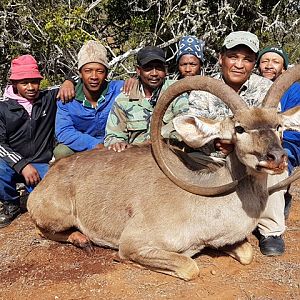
[[196, 131], [291, 119]]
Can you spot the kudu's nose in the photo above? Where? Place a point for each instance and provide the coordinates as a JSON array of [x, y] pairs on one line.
[[276, 156]]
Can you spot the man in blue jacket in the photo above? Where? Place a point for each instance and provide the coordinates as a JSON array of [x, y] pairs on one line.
[[80, 124], [273, 61]]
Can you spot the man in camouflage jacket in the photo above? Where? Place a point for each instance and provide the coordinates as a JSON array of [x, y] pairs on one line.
[[129, 119]]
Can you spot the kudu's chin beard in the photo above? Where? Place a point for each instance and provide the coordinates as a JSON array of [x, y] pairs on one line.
[[271, 168]]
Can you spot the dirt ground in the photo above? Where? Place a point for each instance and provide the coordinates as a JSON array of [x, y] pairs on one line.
[[33, 268]]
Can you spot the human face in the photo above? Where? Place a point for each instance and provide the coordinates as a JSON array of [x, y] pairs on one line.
[[237, 65], [189, 65], [93, 75], [151, 75], [271, 65], [27, 88]]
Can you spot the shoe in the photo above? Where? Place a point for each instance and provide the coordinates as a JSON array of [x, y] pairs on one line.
[[271, 245], [8, 212]]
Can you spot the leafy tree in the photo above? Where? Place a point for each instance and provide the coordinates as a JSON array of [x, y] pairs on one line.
[[53, 31]]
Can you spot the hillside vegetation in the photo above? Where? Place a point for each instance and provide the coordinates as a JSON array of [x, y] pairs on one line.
[[53, 31]]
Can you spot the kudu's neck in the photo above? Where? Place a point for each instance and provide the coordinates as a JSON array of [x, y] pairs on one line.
[[252, 189]]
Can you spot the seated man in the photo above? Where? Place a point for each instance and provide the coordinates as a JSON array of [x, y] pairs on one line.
[[80, 124], [27, 118], [190, 56], [237, 60], [272, 62], [129, 119]]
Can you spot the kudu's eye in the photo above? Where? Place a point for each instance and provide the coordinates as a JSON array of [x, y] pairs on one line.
[[239, 129], [278, 127]]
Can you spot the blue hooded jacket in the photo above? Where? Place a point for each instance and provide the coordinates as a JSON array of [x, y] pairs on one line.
[[291, 139], [80, 126]]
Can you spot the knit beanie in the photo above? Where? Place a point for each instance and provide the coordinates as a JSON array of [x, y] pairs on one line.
[[191, 45], [277, 50], [24, 67], [92, 51]]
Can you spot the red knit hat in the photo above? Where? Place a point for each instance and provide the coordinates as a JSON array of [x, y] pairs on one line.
[[24, 67]]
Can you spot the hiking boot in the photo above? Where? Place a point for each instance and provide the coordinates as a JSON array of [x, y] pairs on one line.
[[271, 245], [8, 212]]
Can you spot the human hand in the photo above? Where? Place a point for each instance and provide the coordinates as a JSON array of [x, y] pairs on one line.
[[119, 147], [66, 91], [99, 146], [128, 85], [31, 175], [225, 146]]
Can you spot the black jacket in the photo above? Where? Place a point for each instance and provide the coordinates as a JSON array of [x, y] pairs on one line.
[[25, 139]]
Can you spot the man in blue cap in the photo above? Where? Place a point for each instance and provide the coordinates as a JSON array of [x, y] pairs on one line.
[[190, 56]]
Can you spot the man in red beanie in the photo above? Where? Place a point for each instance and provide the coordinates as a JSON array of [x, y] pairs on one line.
[[27, 117]]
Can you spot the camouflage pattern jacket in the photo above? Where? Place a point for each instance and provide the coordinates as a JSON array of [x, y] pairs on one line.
[[207, 105], [130, 116]]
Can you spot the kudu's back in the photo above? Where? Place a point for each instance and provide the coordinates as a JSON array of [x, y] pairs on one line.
[[123, 200]]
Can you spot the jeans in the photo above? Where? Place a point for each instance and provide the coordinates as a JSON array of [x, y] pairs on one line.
[[9, 178], [61, 151]]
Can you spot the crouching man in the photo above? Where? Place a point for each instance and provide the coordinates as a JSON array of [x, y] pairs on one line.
[[80, 124], [27, 117], [129, 120]]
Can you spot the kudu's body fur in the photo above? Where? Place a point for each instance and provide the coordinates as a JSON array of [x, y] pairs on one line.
[[124, 201]]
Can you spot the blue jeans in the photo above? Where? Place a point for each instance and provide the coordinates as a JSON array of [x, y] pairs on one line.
[[9, 178]]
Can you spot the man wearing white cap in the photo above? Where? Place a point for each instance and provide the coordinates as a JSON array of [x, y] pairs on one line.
[[237, 60]]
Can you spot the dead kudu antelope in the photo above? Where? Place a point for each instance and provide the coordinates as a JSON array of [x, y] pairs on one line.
[[160, 219]]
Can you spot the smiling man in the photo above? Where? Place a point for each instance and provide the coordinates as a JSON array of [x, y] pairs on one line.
[[129, 119], [237, 60], [272, 62], [80, 124]]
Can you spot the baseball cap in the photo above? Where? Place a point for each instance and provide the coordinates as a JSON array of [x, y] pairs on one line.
[[150, 53], [275, 49], [242, 38]]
